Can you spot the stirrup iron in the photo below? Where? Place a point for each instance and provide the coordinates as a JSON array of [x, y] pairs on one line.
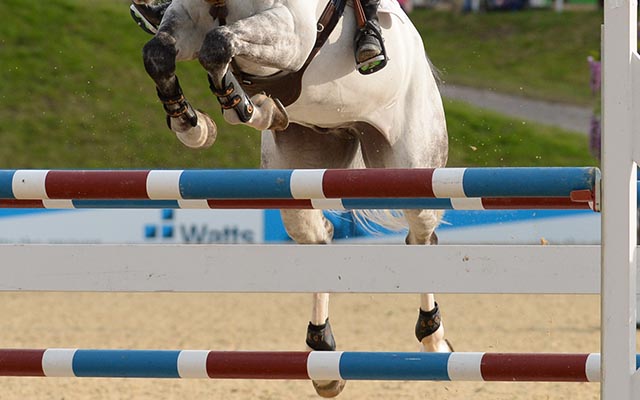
[[376, 63]]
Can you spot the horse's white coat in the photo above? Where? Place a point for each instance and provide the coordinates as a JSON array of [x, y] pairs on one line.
[[342, 119]]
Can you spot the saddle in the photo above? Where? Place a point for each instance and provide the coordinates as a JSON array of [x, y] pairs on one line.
[[284, 86]]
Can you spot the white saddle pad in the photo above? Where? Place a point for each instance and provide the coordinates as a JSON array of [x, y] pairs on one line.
[[393, 7]]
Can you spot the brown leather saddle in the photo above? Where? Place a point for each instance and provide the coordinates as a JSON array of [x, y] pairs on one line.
[[285, 86]]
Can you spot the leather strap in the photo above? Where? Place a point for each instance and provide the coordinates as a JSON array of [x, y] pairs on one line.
[[361, 19], [287, 86], [218, 10]]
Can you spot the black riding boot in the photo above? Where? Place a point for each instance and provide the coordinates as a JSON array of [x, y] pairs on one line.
[[370, 52], [148, 17]]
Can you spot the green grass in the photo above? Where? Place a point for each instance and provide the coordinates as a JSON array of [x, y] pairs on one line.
[[74, 94], [486, 139], [534, 53]]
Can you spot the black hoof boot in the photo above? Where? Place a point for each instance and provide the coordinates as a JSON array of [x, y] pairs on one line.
[[428, 323], [177, 106], [320, 338], [232, 96]]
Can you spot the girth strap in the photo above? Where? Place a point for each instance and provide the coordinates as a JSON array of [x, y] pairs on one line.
[[285, 86], [218, 10]]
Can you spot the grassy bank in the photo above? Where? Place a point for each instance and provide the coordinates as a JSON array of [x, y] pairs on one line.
[[74, 94], [487, 139], [533, 53]]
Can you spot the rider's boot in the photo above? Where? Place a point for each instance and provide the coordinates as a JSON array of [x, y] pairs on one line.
[[370, 51], [148, 17]]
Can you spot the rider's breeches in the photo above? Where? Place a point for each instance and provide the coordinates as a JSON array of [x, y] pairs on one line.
[[370, 9]]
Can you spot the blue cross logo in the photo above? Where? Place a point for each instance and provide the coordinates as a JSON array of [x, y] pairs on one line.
[[164, 230]]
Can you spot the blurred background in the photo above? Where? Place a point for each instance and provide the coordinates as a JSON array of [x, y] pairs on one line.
[[74, 93], [520, 83]]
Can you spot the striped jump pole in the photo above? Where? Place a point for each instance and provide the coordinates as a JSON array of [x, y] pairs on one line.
[[492, 203], [444, 183], [317, 365]]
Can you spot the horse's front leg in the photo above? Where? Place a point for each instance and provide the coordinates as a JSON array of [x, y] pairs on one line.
[[260, 111], [268, 40], [193, 128]]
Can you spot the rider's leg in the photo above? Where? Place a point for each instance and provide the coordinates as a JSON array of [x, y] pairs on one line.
[[148, 17], [370, 53]]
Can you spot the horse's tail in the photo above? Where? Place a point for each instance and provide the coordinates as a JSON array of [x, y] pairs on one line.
[[379, 222], [373, 221]]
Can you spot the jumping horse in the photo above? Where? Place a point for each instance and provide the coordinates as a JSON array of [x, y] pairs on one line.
[[287, 68]]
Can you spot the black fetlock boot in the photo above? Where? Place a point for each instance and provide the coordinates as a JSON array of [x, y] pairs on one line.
[[370, 52], [320, 338], [148, 17]]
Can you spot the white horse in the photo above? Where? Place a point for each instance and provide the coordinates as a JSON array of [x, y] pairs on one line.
[[318, 110]]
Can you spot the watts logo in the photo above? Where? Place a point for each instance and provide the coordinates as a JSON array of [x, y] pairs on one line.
[[168, 230]]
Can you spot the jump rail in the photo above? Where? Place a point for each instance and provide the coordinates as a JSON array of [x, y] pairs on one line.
[[489, 203], [288, 268], [443, 183], [316, 365]]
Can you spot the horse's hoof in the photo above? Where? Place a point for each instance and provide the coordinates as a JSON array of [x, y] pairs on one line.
[[201, 136], [329, 389], [280, 119]]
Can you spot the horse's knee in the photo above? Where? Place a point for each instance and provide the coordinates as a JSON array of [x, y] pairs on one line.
[[159, 55], [216, 51]]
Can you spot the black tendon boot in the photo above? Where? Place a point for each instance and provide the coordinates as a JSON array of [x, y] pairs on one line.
[[148, 17], [370, 52]]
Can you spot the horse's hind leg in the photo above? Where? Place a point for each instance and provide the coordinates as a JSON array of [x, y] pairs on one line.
[[193, 128], [300, 147], [422, 223], [429, 328]]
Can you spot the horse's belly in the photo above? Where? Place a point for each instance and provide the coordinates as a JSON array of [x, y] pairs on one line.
[[350, 98]]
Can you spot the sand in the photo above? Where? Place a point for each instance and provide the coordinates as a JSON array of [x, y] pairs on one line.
[[361, 322]]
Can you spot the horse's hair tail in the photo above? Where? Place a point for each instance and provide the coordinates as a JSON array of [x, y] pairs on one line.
[[437, 74], [372, 221]]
